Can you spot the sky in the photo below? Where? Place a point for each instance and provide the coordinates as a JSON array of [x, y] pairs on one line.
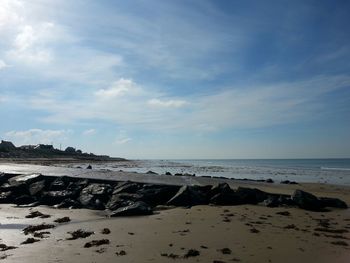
[[177, 79]]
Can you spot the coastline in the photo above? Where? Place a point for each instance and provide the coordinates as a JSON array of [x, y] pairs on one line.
[[208, 229]]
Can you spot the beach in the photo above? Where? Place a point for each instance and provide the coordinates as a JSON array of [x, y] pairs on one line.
[[202, 233]]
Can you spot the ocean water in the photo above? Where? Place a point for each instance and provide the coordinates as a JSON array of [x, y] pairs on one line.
[[334, 171]]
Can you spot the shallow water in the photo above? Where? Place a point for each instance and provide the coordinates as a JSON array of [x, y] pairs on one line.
[[334, 171]]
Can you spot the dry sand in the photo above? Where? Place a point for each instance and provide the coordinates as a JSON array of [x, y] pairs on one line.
[[251, 233]]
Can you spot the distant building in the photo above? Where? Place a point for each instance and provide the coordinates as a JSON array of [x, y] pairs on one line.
[[46, 147], [27, 147], [7, 146]]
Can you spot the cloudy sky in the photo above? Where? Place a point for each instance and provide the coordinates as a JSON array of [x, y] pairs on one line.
[[177, 79]]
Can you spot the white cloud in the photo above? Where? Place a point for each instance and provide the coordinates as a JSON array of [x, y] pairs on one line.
[[8, 13], [122, 137], [3, 64], [31, 43], [37, 44], [167, 103], [89, 132], [122, 140], [36, 136], [237, 107], [118, 88]]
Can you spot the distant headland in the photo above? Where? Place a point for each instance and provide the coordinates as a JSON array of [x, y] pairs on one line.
[[47, 151]]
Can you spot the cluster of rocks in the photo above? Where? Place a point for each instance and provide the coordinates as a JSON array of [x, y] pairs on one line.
[[131, 198]]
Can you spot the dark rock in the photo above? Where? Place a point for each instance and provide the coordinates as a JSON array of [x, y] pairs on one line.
[[275, 200], [333, 202], [270, 181], [95, 195], [222, 194], [221, 188], [4, 177], [126, 187], [16, 189], [68, 203], [204, 189], [225, 198], [188, 196], [168, 173], [157, 194], [25, 178], [122, 200], [37, 187], [286, 200], [6, 197], [250, 195], [59, 184], [100, 190], [56, 197], [91, 202], [24, 200], [307, 201], [288, 182], [77, 186], [271, 201], [79, 234], [89, 167], [136, 209]]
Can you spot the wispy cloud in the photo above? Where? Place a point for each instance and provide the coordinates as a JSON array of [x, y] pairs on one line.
[[122, 137], [167, 103], [89, 132], [118, 88], [236, 107], [3, 65], [169, 67]]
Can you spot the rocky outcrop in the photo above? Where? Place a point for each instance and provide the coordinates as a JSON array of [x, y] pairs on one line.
[[131, 198], [333, 202], [95, 196], [307, 201], [188, 196], [136, 209]]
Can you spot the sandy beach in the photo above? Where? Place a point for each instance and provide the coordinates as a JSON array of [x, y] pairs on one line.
[[243, 233]]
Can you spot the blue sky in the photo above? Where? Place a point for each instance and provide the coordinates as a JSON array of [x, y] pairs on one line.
[[177, 79]]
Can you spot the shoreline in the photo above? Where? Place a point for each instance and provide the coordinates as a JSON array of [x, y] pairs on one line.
[[251, 233]]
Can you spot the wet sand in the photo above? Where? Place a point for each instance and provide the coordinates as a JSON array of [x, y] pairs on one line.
[[251, 233], [206, 229], [245, 233]]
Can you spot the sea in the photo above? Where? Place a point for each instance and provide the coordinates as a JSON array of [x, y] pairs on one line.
[[333, 171]]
